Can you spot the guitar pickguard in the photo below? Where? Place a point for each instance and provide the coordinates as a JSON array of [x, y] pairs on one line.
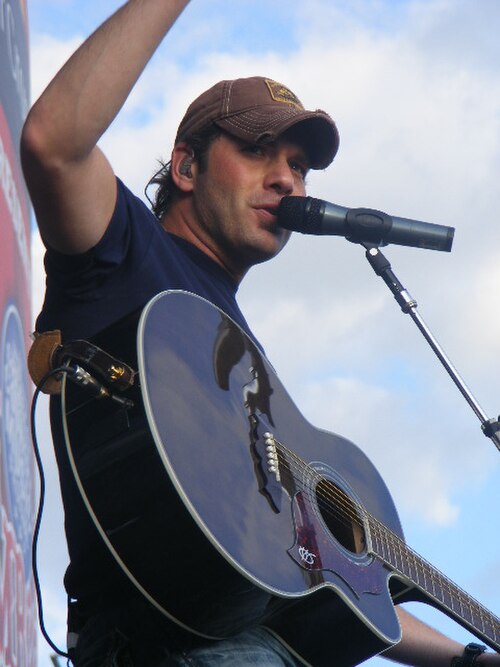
[[316, 551]]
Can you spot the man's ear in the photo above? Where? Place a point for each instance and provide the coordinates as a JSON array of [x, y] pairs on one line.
[[181, 166]]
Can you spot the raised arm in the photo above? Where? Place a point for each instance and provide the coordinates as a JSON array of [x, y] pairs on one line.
[[70, 181]]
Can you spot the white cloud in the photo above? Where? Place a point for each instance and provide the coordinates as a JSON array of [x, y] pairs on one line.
[[48, 55]]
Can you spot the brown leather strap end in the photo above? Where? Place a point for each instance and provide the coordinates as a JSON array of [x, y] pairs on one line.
[[40, 360]]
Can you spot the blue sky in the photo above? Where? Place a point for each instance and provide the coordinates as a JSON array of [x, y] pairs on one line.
[[415, 91], [254, 25]]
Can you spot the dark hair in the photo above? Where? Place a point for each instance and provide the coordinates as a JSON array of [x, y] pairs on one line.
[[167, 191]]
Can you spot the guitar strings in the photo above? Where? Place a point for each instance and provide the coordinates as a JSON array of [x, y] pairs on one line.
[[433, 574], [347, 516], [333, 501]]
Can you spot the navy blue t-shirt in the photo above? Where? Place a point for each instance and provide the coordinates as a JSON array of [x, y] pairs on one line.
[[135, 260]]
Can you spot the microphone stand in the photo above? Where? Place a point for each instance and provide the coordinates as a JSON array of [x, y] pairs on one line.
[[382, 267]]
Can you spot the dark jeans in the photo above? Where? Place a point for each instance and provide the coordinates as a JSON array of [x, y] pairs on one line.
[[134, 634]]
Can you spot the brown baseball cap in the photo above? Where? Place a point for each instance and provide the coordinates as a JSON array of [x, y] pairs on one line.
[[259, 110]]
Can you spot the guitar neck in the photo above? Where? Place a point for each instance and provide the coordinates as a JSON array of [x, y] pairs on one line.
[[437, 589]]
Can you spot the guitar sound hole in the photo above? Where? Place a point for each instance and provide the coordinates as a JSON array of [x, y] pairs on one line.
[[341, 516]]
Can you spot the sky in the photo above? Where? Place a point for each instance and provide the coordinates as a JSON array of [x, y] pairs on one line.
[[414, 88]]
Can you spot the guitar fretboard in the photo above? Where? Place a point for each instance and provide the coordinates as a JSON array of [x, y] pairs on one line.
[[439, 590]]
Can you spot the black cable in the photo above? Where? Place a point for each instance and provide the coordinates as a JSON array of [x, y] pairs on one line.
[[36, 530]]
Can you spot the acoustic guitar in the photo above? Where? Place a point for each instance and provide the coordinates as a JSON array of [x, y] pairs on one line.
[[227, 509]]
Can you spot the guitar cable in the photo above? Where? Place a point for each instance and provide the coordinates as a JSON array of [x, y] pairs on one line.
[[84, 379], [41, 501]]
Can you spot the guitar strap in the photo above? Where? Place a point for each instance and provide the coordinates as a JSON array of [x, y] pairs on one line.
[[48, 353]]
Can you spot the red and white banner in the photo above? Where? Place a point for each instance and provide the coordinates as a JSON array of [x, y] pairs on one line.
[[17, 473]]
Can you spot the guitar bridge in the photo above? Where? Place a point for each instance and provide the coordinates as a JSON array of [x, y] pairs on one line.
[[272, 456], [266, 463]]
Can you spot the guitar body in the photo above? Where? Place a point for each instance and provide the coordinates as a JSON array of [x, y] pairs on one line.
[[184, 492]]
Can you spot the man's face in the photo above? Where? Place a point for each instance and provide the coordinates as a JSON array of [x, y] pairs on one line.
[[236, 196]]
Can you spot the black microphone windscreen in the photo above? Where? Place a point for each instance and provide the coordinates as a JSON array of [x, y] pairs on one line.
[[301, 214]]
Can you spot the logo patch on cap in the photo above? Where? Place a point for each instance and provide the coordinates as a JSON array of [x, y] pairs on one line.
[[281, 93]]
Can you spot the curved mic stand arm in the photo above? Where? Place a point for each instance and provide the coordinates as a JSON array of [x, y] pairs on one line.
[[382, 267]]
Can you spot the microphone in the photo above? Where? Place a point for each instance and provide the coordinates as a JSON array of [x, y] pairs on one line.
[[360, 225]]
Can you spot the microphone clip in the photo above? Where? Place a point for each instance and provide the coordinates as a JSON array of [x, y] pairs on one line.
[[367, 226]]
